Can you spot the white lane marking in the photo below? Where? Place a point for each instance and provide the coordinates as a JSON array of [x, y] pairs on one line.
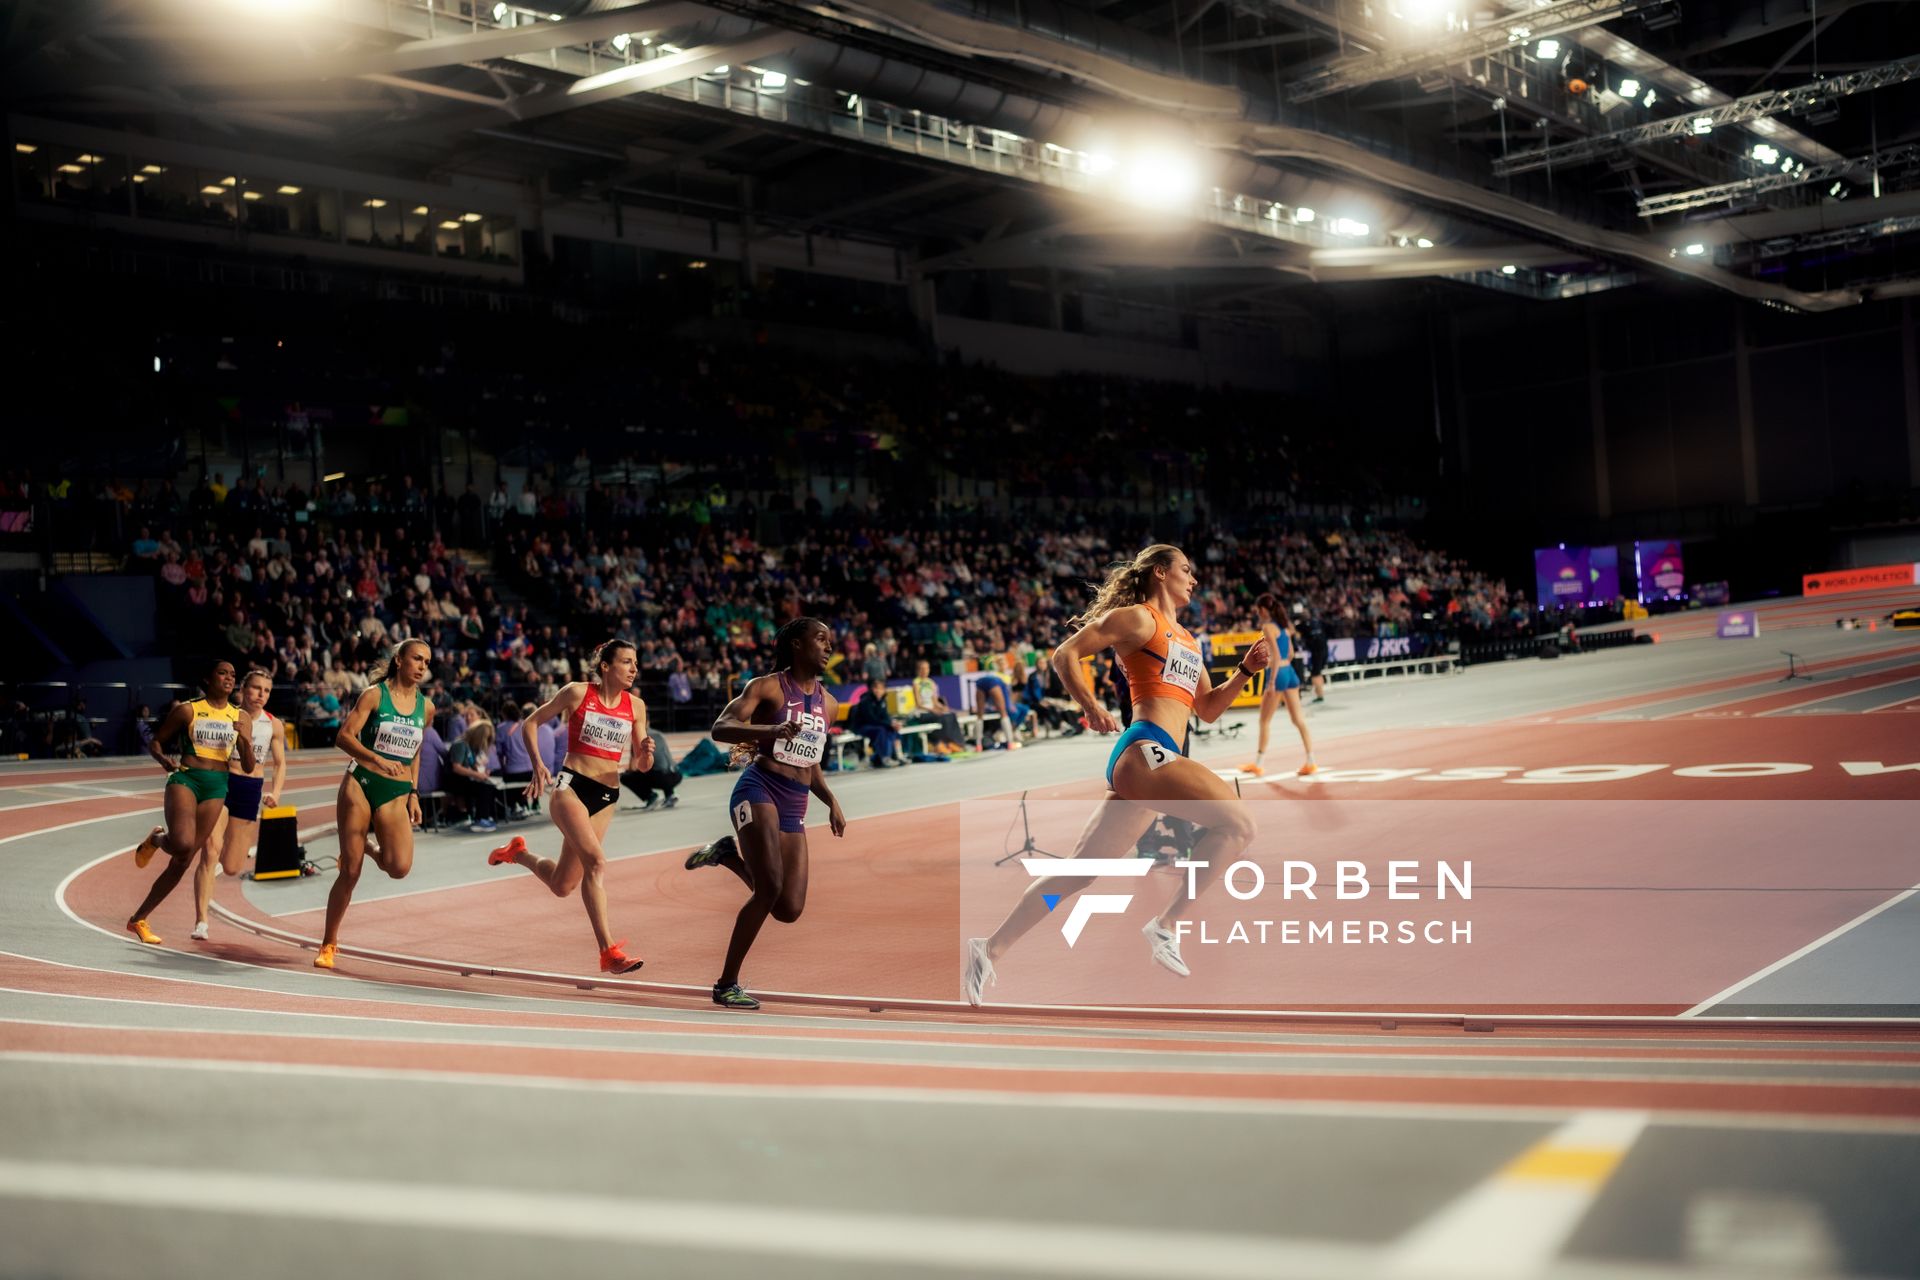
[[1276, 1070], [1807, 950], [1514, 1224], [1529, 1113], [381, 1031], [644, 1015], [949, 1242]]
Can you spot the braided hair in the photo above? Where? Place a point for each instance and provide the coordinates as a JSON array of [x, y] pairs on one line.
[[786, 642]]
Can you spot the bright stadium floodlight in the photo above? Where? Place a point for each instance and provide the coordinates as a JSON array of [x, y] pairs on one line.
[[499, 13], [1650, 99], [1765, 154], [1695, 249], [1160, 179], [1509, 270], [1546, 50], [620, 42], [1702, 126], [1423, 243], [1303, 214], [1629, 88], [773, 81]]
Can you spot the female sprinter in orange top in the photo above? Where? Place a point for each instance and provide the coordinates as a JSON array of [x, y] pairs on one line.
[[1134, 611], [604, 721], [1278, 629]]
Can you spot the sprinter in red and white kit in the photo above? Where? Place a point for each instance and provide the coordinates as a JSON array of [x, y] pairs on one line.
[[604, 721]]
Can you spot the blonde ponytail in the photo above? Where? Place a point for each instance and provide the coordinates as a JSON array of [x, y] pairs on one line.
[[1127, 583]]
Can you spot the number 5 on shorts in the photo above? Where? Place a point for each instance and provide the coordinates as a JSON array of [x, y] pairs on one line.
[[1156, 754]]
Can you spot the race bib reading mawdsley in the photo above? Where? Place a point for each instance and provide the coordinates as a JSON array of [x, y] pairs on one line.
[[398, 739], [806, 747], [605, 732], [1183, 666]]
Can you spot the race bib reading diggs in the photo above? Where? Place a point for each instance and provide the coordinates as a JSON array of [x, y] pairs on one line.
[[213, 737], [604, 732], [806, 747], [1183, 666], [398, 740]]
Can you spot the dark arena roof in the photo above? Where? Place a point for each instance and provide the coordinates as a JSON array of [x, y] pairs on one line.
[[1230, 153]]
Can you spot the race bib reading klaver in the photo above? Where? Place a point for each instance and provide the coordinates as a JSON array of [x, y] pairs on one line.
[[1183, 666]]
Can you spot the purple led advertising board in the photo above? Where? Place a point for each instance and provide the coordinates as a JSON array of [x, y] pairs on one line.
[[1603, 574], [1661, 569], [1560, 576]]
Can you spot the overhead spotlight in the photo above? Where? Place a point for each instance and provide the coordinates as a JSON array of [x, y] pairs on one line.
[[1786, 164], [773, 81], [26, 148], [250, 195], [420, 209], [213, 191], [151, 168], [376, 203], [87, 157], [1303, 214], [139, 177], [1702, 126], [1509, 269], [1628, 88], [1100, 162], [1547, 49], [1695, 249], [228, 182], [1836, 188], [1423, 243], [1350, 227], [620, 42], [70, 167], [1160, 179], [1765, 154], [718, 73], [499, 13], [286, 190], [1650, 99], [853, 104], [450, 225]]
